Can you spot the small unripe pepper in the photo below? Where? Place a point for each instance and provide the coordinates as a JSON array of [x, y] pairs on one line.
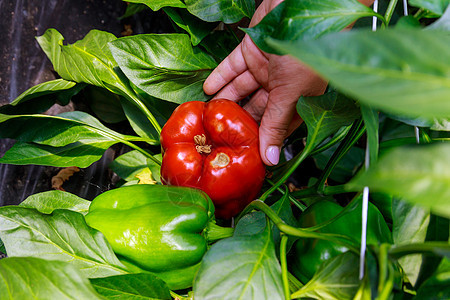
[[309, 254], [162, 229]]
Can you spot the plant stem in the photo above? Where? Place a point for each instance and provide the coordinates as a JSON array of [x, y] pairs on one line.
[[383, 266], [434, 248], [352, 137], [386, 290], [420, 13], [327, 190], [154, 159], [138, 102], [389, 11], [336, 139], [304, 154], [214, 232], [297, 203], [348, 242], [283, 262]]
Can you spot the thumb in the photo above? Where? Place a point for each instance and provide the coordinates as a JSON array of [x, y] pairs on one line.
[[275, 124]]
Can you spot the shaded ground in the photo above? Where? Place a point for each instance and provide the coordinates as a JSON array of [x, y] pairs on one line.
[[23, 65]]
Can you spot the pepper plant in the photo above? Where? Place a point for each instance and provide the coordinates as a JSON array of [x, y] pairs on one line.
[[387, 103]]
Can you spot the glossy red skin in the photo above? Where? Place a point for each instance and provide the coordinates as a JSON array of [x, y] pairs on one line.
[[229, 130]]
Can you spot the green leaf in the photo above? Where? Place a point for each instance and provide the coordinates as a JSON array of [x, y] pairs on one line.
[[157, 4], [76, 154], [90, 61], [128, 165], [443, 23], [41, 97], [410, 224], [255, 222], [196, 28], [33, 278], [240, 267], [337, 278], [346, 167], [438, 285], [436, 6], [412, 81], [294, 20], [419, 174], [132, 286], [47, 202], [219, 44], [138, 121], [325, 115], [63, 236], [175, 75], [132, 9], [370, 117], [2, 247], [69, 139], [57, 131], [104, 104], [227, 11], [164, 65]]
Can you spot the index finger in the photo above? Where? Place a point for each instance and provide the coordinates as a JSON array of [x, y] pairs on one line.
[[231, 67]]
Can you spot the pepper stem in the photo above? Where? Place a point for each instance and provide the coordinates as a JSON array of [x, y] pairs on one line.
[[214, 232], [200, 142]]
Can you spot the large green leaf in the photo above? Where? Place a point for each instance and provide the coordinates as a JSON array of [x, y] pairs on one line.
[[33, 278], [69, 139], [382, 69], [336, 279], [196, 28], [164, 65], [436, 6], [410, 224], [63, 235], [325, 114], [157, 4], [419, 174], [41, 97], [76, 154], [132, 287], [294, 20], [227, 11], [240, 267], [90, 61], [47, 202], [60, 130]]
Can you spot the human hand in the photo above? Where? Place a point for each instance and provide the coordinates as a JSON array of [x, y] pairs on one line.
[[278, 81]]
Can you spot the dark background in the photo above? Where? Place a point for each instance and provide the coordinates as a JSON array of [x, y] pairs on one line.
[[23, 64]]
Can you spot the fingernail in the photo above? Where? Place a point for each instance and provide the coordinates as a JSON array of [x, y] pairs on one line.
[[273, 154]]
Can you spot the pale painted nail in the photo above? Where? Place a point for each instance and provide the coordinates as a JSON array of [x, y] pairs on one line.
[[273, 154]]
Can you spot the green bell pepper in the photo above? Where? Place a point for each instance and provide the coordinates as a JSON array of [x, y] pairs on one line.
[[309, 254], [162, 229]]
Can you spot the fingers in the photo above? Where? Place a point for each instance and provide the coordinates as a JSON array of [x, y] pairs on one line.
[[257, 104], [275, 123], [239, 88], [231, 67]]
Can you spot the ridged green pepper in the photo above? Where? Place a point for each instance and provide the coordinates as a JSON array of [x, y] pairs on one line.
[[161, 229], [309, 254]]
